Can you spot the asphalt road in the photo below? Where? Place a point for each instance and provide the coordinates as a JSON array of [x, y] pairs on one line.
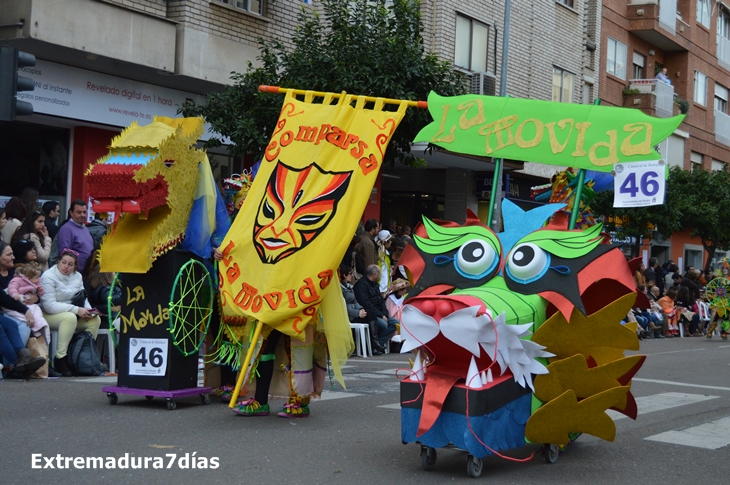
[[353, 436]]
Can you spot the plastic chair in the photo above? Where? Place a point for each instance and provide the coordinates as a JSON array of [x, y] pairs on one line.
[[362, 339], [110, 349], [704, 314]]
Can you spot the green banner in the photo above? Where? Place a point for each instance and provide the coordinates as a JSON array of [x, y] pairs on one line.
[[574, 135]]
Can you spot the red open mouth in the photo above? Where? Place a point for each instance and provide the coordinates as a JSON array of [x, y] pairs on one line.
[[446, 356], [121, 193]]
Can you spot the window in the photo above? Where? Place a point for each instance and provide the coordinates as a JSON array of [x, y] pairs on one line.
[[254, 6], [639, 61], [721, 94], [567, 3], [562, 85], [723, 24], [695, 161], [717, 165], [616, 59], [700, 96], [471, 44], [703, 12]]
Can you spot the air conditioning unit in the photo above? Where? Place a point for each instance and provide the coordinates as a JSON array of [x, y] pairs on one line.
[[484, 83]]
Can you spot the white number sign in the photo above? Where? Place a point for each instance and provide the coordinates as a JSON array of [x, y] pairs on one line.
[[639, 184], [148, 357]]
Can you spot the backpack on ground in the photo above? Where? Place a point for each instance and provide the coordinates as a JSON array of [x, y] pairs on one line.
[[83, 356]]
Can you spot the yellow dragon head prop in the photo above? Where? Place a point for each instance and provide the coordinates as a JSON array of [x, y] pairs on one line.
[[149, 178]]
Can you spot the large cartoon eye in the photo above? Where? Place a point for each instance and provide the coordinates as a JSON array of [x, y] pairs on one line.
[[475, 259], [527, 262]]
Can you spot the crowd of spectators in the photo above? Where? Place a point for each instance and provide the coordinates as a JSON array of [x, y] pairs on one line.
[[47, 272], [677, 302], [373, 284]]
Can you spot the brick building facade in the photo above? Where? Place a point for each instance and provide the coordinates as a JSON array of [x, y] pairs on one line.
[[691, 39]]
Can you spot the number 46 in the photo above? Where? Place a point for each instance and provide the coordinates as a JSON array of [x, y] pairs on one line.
[[647, 184], [155, 359]]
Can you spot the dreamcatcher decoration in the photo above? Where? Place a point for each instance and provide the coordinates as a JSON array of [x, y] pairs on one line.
[[717, 293], [191, 307]]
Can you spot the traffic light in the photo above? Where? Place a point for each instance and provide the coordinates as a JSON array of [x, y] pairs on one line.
[[11, 59]]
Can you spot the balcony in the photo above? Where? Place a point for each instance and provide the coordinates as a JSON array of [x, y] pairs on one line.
[[722, 128], [653, 97], [723, 51], [75, 31], [657, 22]]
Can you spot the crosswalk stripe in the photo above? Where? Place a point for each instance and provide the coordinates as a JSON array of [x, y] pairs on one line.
[[98, 380], [710, 436], [646, 404], [680, 384], [665, 400], [365, 375], [328, 395], [389, 371]]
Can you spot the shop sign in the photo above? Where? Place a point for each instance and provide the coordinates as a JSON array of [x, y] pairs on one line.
[[630, 240], [80, 94]]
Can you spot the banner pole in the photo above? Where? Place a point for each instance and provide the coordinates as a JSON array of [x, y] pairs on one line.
[[246, 362], [279, 90], [494, 224], [577, 194]]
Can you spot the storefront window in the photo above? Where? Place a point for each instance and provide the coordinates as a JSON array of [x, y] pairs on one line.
[[33, 156]]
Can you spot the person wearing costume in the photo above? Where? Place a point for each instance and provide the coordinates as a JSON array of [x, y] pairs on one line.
[[722, 320], [383, 242], [304, 366]]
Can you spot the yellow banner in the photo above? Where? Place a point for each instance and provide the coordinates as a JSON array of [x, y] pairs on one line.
[[283, 250]]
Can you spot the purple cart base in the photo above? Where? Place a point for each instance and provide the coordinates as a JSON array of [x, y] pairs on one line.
[[170, 396]]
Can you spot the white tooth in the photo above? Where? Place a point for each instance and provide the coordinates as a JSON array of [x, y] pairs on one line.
[[484, 378], [421, 374], [419, 369], [473, 380], [489, 376], [417, 328]]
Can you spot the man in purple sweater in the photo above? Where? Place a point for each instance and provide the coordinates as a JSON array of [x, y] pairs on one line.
[[74, 235]]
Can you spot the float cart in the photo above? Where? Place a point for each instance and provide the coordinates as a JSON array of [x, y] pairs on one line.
[[497, 415], [163, 321]]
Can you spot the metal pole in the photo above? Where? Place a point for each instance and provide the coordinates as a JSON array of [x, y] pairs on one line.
[[495, 207], [577, 194]]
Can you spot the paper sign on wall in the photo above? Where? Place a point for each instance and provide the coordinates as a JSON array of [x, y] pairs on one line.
[[639, 184]]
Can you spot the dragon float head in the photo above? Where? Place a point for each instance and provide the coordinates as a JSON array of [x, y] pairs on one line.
[[148, 178], [501, 302]]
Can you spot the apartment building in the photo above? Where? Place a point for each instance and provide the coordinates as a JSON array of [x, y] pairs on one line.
[[691, 39], [553, 55]]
